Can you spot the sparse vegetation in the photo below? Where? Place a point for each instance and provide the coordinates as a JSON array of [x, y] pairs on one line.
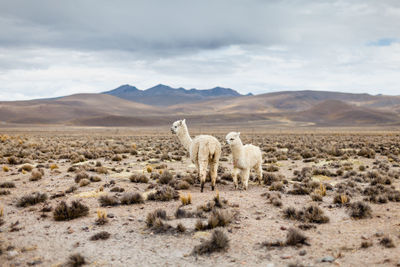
[[36, 175], [139, 178], [7, 185], [219, 242], [360, 210], [75, 260], [63, 212], [132, 198], [310, 214], [103, 235], [186, 200], [31, 199], [305, 178], [163, 193], [107, 200]]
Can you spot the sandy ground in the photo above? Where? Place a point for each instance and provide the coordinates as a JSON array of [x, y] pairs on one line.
[[42, 241]]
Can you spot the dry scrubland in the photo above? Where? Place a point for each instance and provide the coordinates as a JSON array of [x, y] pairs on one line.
[[124, 199]]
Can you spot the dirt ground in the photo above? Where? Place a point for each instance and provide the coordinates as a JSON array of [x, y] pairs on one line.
[[30, 236]]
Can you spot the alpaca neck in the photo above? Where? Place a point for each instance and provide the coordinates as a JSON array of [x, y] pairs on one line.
[[237, 152], [185, 138]]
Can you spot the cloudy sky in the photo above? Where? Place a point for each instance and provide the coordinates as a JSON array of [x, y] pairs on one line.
[[52, 48]]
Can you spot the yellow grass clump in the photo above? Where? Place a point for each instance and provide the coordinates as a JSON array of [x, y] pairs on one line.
[[5, 168], [53, 166], [344, 199], [321, 191], [149, 169], [101, 214], [186, 200]]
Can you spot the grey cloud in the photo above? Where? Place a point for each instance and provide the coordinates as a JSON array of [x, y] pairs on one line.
[[58, 47], [162, 26]]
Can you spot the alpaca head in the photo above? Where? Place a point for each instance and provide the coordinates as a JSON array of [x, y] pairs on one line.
[[233, 138], [178, 126]]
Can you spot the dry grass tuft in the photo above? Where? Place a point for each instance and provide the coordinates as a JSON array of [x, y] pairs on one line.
[[27, 167], [107, 200], [7, 185], [218, 242], [36, 175], [53, 166], [84, 182], [101, 217], [103, 235], [95, 179], [295, 237], [219, 218], [181, 228], [164, 193], [4, 192], [80, 176], [310, 214], [366, 244], [139, 178], [132, 198], [387, 242], [360, 210], [165, 178], [75, 260], [186, 200], [63, 212], [32, 199], [341, 199], [154, 221]]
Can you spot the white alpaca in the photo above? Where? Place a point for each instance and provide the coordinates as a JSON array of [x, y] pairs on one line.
[[245, 157], [203, 150]]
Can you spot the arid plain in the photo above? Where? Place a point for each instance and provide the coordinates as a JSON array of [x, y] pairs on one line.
[[130, 196]]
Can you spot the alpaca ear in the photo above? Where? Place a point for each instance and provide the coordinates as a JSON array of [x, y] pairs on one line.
[[238, 134], [184, 121]]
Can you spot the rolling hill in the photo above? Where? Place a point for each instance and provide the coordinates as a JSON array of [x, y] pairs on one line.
[[65, 109], [283, 108]]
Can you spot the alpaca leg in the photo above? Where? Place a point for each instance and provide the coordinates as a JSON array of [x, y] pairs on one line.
[[203, 172], [213, 174], [259, 173], [245, 178], [235, 173]]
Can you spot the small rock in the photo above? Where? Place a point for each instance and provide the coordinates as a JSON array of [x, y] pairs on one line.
[[379, 234], [34, 262], [110, 215], [285, 257], [12, 254], [131, 219], [328, 259], [302, 252]]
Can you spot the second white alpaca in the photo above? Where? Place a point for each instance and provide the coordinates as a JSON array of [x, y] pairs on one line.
[[245, 157], [203, 150]]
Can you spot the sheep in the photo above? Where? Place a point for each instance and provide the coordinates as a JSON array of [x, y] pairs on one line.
[[203, 150], [245, 157]]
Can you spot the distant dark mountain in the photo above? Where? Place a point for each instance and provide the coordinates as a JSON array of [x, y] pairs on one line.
[[163, 95]]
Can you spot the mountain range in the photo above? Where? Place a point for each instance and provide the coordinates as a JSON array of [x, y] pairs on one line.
[[161, 105], [163, 95]]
